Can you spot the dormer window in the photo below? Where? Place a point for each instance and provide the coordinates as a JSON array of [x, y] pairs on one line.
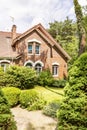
[[37, 49], [30, 48]]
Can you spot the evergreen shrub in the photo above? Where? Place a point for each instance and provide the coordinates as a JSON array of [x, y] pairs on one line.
[[6, 118], [73, 110], [31, 100], [21, 77], [45, 78], [12, 94], [59, 83]]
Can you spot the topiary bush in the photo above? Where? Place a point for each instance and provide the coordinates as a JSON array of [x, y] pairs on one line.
[[51, 108], [45, 78], [6, 117], [21, 77], [31, 100], [73, 111], [12, 94]]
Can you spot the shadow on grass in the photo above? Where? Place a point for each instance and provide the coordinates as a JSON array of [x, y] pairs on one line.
[[53, 91]]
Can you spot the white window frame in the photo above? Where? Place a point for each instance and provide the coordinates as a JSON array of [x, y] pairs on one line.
[[30, 44], [55, 69], [4, 63]]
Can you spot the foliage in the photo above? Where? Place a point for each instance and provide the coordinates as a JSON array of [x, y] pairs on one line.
[[45, 78], [12, 94], [81, 27], [6, 118], [21, 77], [73, 111], [59, 83], [31, 100], [38, 104], [65, 33], [51, 108]]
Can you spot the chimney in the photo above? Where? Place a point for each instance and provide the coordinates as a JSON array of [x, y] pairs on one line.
[[13, 31]]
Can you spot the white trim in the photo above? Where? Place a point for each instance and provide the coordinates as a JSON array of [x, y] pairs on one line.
[[55, 63], [29, 61], [40, 62], [6, 61], [34, 40]]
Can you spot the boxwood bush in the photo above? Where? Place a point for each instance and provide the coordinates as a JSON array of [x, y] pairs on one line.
[[31, 100], [6, 117], [12, 94]]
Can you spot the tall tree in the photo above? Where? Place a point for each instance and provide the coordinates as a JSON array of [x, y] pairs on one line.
[[65, 33], [81, 28]]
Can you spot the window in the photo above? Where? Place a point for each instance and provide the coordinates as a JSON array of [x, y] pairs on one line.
[[29, 65], [38, 68], [37, 49], [4, 66], [30, 48], [55, 70]]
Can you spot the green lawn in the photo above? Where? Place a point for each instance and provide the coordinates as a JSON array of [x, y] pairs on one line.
[[50, 94]]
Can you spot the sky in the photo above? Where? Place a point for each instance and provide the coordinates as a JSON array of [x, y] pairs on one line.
[[27, 13]]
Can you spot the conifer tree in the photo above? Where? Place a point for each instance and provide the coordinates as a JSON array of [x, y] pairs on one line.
[[73, 110], [81, 28]]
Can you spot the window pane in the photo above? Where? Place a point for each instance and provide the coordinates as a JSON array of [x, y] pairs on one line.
[[29, 65], [55, 70], [38, 68], [30, 49], [37, 48]]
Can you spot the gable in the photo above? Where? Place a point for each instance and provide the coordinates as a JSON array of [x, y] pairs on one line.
[[45, 35]]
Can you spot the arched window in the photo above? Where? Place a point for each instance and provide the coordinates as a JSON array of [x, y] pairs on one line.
[[29, 65], [4, 64], [38, 67]]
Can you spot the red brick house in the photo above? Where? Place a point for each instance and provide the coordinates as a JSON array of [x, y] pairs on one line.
[[34, 48]]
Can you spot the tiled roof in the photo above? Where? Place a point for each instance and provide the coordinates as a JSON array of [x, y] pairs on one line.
[[5, 45]]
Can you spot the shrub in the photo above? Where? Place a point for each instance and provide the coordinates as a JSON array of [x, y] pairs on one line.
[[6, 118], [73, 111], [45, 78], [21, 77], [51, 109], [31, 100], [12, 94], [38, 104], [59, 83]]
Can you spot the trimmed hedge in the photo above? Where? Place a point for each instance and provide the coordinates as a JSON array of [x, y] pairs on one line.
[[12, 94], [31, 100]]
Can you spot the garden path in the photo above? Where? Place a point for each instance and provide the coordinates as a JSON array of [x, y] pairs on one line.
[[32, 120]]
